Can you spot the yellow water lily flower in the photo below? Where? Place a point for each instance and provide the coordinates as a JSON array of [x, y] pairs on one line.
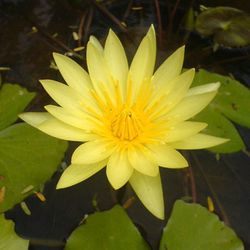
[[130, 119]]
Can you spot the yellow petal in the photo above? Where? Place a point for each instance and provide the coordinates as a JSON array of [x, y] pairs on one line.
[[170, 68], [74, 75], [168, 157], [142, 160], [143, 63], [149, 191], [203, 89], [189, 107], [84, 121], [116, 59], [96, 43], [199, 141], [99, 73], [51, 126], [118, 169], [74, 173], [184, 130], [68, 98], [181, 85], [92, 152]]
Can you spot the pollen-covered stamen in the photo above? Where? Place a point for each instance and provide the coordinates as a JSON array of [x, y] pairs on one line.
[[126, 126]]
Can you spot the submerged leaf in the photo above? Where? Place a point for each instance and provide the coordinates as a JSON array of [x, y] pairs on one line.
[[110, 230], [192, 226], [230, 27]]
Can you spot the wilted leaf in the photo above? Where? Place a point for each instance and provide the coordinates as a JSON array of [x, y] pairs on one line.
[[28, 158], [110, 230], [231, 103], [193, 227], [13, 100], [8, 238]]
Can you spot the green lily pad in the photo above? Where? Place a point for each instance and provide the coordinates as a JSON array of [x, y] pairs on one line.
[[8, 238], [28, 158], [110, 230], [193, 227], [230, 27], [231, 103], [13, 100], [219, 125]]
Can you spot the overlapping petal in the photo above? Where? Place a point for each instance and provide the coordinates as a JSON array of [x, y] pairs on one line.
[[68, 98], [142, 160], [51, 126], [99, 73], [143, 63], [168, 157], [116, 60], [149, 191], [92, 152], [191, 105], [199, 141], [82, 120], [169, 99], [74, 75], [74, 173], [170, 68], [183, 130], [119, 169]]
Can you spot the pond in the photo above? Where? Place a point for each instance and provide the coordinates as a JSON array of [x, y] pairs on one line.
[[33, 30]]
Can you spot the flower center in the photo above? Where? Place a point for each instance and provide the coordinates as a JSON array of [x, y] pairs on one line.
[[126, 125]]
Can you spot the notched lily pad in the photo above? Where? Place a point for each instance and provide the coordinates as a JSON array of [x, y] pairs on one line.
[[27, 156], [28, 159], [107, 230], [231, 103], [8, 238], [13, 100], [192, 226], [229, 27]]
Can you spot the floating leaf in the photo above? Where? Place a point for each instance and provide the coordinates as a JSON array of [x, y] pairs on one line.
[[28, 158], [193, 227], [231, 103], [110, 230], [8, 238], [13, 100], [229, 26], [219, 125]]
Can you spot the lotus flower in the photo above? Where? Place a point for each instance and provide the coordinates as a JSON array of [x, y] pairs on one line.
[[130, 119]]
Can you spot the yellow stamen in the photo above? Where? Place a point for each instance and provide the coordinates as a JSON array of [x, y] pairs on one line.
[[125, 125]]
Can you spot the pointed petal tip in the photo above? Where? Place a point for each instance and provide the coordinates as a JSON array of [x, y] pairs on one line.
[[58, 56], [60, 185]]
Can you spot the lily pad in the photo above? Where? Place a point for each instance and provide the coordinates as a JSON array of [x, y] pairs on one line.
[[107, 230], [27, 159], [231, 103], [193, 227], [219, 125], [27, 156], [8, 238], [13, 100]]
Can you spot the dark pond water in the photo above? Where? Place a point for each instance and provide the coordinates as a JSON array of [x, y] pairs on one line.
[[32, 30]]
